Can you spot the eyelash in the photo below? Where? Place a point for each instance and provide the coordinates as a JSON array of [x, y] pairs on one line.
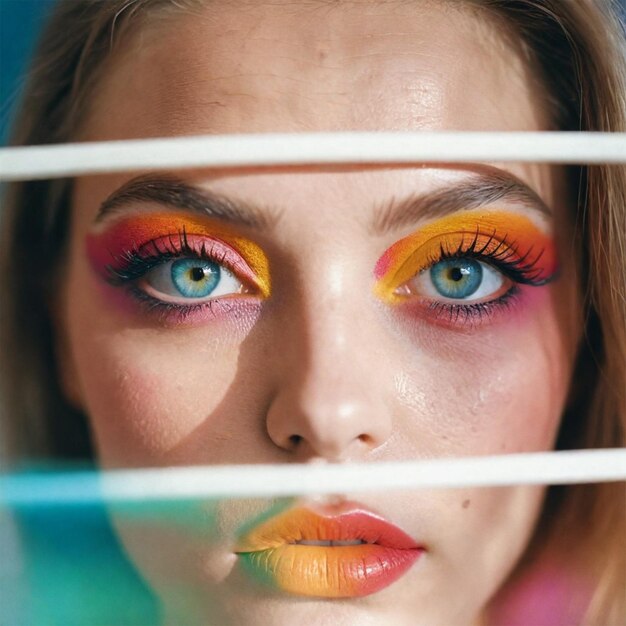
[[459, 314], [135, 263], [521, 270]]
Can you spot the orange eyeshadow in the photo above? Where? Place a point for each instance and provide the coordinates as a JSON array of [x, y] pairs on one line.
[[132, 233], [496, 234]]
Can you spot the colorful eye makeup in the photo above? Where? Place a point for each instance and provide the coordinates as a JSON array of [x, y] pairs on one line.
[[466, 263], [179, 263]]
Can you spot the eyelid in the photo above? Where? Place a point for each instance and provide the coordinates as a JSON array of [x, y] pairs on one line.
[[204, 248], [130, 235], [509, 234]]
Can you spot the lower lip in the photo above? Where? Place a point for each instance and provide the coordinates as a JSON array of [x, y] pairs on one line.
[[332, 571]]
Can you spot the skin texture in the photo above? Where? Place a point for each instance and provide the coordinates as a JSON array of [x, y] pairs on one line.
[[323, 370]]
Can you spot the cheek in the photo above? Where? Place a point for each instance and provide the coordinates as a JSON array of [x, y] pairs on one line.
[[148, 389], [145, 396], [496, 389], [478, 538]]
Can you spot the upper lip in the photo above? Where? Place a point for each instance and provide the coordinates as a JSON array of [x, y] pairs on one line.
[[349, 523]]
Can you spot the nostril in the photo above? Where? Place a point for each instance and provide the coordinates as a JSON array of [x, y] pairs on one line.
[[364, 438], [295, 440]]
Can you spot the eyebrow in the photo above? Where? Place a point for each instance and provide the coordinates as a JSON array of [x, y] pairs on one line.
[[481, 189], [177, 194]]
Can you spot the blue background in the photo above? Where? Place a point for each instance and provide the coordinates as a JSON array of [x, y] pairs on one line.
[[20, 22]]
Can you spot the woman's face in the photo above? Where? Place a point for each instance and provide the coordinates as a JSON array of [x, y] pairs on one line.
[[322, 314]]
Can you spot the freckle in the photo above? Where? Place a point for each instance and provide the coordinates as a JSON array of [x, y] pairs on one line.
[[466, 504]]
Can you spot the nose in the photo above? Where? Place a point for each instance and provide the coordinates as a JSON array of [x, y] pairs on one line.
[[332, 398]]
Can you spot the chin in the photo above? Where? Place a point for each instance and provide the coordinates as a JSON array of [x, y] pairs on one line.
[[268, 610]]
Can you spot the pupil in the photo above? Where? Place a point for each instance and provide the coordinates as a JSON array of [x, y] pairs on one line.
[[456, 274], [197, 273]]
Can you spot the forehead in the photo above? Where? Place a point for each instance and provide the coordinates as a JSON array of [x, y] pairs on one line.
[[305, 66]]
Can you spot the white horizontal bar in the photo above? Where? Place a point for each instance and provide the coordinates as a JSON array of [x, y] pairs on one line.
[[55, 161], [269, 481]]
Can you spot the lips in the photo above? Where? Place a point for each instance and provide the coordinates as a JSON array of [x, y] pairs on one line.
[[351, 554]]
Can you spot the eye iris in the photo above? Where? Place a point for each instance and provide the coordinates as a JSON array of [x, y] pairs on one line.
[[195, 278], [457, 278]]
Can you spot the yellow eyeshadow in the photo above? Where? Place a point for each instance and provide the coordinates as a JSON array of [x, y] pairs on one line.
[[135, 231], [485, 232]]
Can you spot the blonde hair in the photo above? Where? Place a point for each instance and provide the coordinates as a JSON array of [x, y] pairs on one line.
[[578, 50]]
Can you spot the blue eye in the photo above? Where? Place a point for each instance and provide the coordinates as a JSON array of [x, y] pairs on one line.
[[195, 278], [457, 278], [190, 278]]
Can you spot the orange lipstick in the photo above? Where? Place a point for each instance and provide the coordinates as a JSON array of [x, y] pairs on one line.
[[346, 555]]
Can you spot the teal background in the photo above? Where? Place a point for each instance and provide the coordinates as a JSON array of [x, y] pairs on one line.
[[20, 23]]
